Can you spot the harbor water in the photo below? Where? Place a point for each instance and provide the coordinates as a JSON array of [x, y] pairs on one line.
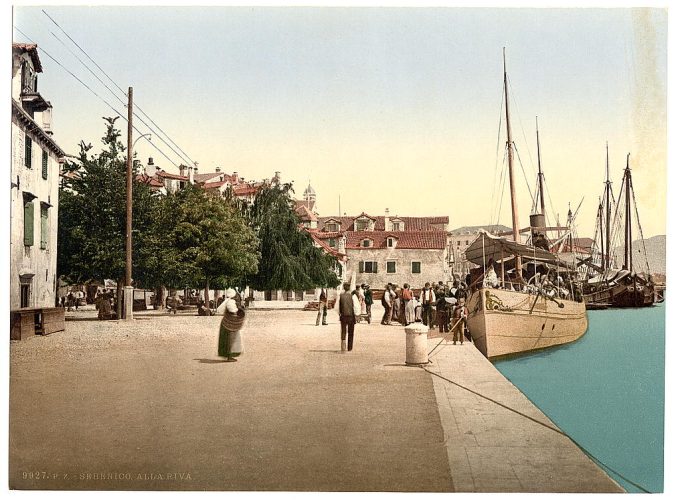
[[606, 391]]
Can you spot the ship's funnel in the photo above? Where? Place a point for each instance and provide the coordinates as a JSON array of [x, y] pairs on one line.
[[536, 221]]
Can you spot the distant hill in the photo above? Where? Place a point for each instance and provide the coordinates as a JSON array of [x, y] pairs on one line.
[[656, 253]]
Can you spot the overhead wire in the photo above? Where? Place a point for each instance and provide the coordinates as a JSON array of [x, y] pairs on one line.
[[184, 156], [42, 49]]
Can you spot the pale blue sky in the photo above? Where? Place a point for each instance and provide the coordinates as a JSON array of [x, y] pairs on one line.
[[387, 108]]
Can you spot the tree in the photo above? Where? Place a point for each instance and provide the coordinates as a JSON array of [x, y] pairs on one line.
[[203, 240], [289, 259], [92, 214]]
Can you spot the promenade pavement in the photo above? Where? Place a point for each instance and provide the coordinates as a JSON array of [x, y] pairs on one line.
[[148, 405]]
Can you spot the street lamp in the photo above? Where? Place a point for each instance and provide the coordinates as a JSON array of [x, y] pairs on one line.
[[138, 138]]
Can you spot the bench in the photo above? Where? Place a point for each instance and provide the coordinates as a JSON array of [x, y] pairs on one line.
[[29, 321]]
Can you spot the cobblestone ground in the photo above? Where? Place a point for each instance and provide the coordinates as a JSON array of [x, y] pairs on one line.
[[148, 405]]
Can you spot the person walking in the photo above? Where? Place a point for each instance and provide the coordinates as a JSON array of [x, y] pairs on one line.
[[346, 310], [460, 314], [368, 298], [323, 308], [230, 344]]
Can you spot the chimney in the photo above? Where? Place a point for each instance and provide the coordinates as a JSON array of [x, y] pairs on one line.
[[182, 169], [47, 120], [341, 244], [387, 219], [151, 169], [218, 169], [191, 174]]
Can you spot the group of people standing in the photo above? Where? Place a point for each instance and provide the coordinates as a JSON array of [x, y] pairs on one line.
[[428, 305]]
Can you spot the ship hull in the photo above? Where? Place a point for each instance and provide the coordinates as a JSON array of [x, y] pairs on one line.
[[620, 295], [505, 322]]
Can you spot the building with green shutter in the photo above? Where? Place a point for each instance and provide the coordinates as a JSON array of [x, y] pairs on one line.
[[34, 187]]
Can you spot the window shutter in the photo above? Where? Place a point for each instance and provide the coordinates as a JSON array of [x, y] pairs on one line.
[[361, 266], [375, 267], [44, 164], [44, 226], [28, 223], [28, 152]]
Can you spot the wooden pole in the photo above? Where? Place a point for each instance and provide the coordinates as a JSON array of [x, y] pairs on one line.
[[128, 230]]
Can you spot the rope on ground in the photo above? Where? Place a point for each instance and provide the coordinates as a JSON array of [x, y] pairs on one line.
[[554, 429]]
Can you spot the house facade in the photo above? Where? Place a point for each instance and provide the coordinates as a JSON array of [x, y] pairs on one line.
[[35, 169], [389, 249], [461, 238]]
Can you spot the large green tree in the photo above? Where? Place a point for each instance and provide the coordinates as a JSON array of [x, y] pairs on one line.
[[92, 214], [205, 240], [289, 259]]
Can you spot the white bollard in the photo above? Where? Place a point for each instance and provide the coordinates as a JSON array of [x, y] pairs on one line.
[[416, 344]]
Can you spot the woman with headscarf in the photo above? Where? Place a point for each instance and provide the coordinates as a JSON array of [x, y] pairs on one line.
[[230, 344]]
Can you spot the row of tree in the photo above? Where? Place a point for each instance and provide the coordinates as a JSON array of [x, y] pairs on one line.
[[186, 239]]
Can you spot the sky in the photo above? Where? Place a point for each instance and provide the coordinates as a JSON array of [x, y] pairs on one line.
[[378, 108]]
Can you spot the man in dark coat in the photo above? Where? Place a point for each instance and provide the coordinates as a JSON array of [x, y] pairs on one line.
[[347, 319]]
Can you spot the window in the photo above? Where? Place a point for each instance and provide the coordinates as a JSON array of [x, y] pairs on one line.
[[361, 225], [332, 242], [28, 221], [25, 283], [396, 226], [45, 158], [458, 243], [391, 267], [332, 227], [368, 267], [44, 226], [415, 267], [28, 150], [366, 243], [391, 243], [467, 242]]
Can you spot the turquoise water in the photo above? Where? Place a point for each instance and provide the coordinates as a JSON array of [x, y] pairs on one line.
[[606, 391]]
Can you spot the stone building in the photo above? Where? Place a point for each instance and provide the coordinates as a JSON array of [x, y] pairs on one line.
[[34, 191], [389, 249]]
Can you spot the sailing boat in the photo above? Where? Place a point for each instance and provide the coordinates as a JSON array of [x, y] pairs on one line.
[[613, 286], [509, 315]]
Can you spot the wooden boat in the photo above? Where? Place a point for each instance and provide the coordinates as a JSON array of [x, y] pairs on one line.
[[507, 318], [614, 286]]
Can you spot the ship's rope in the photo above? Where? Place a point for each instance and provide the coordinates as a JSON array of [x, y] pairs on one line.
[[642, 238], [554, 429]]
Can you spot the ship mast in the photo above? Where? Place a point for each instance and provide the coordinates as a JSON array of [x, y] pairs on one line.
[[628, 235], [608, 209], [511, 175], [540, 172]]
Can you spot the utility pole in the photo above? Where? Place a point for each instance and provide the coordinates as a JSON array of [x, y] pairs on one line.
[[128, 290]]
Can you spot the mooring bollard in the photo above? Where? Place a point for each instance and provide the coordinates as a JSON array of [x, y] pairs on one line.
[[416, 344]]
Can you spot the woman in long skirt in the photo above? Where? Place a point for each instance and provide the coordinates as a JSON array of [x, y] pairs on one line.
[[230, 344]]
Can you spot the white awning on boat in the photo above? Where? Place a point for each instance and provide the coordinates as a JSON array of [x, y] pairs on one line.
[[487, 246]]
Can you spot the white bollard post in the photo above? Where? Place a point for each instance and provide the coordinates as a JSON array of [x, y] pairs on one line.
[[416, 344]]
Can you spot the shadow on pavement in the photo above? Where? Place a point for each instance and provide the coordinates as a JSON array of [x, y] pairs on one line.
[[209, 361]]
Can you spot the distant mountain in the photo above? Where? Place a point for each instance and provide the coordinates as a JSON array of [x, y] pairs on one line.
[[656, 253]]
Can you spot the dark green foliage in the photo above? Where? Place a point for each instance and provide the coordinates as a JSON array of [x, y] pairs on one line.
[[92, 214], [290, 261]]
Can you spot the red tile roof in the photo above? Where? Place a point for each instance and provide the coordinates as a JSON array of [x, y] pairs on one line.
[[305, 213], [410, 223], [244, 189], [151, 181], [167, 175], [207, 177], [325, 246], [433, 240], [213, 185]]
